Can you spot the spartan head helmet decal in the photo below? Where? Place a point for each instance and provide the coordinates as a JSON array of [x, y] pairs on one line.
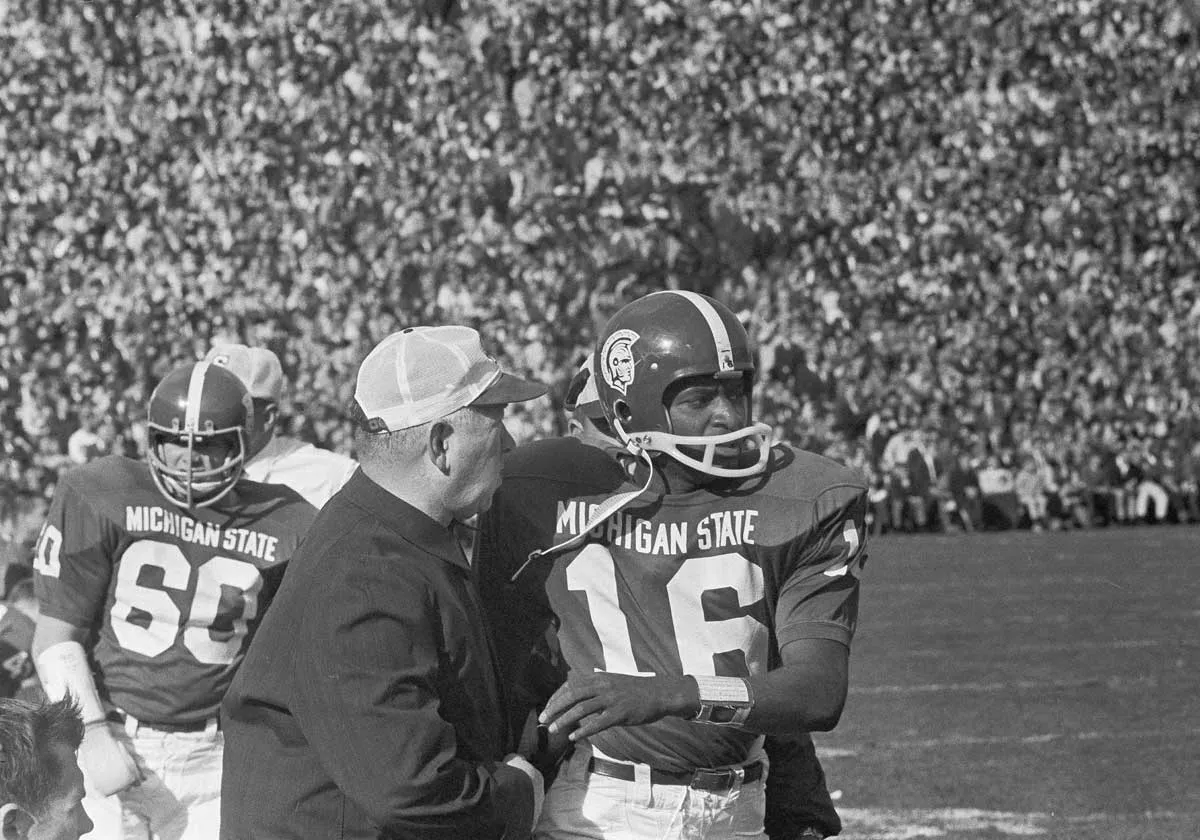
[[616, 360]]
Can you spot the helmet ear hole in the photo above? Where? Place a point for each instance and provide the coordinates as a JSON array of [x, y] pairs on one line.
[[622, 411]]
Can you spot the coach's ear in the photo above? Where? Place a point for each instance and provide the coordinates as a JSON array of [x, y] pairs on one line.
[[16, 821], [440, 433]]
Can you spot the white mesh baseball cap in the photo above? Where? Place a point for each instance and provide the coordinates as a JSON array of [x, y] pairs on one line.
[[424, 373], [257, 367]]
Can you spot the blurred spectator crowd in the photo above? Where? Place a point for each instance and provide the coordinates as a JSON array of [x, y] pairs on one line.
[[964, 234]]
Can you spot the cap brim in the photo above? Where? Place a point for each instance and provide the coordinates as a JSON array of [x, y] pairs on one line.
[[510, 389]]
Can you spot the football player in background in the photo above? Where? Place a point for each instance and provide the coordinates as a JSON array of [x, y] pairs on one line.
[[151, 576], [314, 473], [18, 614], [704, 583]]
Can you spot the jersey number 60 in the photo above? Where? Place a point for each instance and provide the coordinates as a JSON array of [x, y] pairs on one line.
[[157, 634]]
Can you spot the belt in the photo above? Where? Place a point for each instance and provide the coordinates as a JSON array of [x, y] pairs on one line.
[[703, 779], [117, 716]]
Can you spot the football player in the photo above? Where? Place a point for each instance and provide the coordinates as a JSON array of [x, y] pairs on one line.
[[798, 801], [316, 474], [17, 616], [151, 576], [704, 583]]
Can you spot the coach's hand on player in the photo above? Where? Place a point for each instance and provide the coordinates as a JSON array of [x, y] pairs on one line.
[[106, 762], [590, 703]]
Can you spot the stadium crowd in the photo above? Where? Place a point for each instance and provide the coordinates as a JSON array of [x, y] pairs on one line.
[[965, 235]]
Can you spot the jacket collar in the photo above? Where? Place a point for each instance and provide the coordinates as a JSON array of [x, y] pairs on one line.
[[404, 520]]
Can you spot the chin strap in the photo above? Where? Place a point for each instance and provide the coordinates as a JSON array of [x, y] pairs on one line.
[[643, 445], [669, 444], [602, 512]]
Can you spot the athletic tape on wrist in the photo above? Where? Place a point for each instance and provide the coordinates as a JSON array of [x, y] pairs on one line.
[[63, 669], [724, 701]]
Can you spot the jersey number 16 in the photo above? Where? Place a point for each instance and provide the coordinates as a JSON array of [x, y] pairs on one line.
[[699, 639]]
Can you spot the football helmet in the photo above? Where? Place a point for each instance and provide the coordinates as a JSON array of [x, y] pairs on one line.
[[653, 343], [194, 405]]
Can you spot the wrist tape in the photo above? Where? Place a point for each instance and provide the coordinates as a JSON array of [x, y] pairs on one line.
[[63, 669], [724, 701]]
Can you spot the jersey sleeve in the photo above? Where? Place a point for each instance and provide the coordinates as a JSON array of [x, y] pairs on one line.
[[520, 522], [291, 530], [499, 547], [819, 597], [73, 561], [517, 613]]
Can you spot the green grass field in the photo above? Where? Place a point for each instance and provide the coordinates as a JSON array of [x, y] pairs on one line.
[[1024, 685]]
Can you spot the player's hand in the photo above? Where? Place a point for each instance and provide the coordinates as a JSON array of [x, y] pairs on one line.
[[106, 762], [590, 703]]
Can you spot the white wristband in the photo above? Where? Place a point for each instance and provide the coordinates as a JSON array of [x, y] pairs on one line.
[[724, 701], [64, 670]]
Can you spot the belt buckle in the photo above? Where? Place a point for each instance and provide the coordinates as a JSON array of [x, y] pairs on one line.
[[715, 779]]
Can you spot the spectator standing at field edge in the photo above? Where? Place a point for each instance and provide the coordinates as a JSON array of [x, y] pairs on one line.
[[371, 705], [316, 474]]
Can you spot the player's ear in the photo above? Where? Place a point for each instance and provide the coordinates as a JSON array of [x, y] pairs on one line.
[[16, 821]]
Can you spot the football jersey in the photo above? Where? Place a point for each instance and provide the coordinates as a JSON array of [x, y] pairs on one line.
[[710, 582], [316, 474], [170, 594], [16, 640]]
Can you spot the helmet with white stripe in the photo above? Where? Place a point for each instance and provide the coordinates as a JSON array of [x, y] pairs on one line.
[[657, 341], [199, 419]]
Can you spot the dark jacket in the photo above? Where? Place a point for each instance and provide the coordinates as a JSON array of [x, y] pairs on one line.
[[368, 705]]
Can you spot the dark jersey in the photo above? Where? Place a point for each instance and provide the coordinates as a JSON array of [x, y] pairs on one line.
[[171, 595], [711, 582], [16, 639]]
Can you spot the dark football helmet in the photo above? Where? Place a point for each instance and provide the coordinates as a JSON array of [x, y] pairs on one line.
[[656, 341], [195, 406]]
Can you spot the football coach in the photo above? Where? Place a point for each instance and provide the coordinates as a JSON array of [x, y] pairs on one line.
[[369, 704]]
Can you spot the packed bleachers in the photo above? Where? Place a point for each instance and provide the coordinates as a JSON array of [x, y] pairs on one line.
[[975, 223]]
